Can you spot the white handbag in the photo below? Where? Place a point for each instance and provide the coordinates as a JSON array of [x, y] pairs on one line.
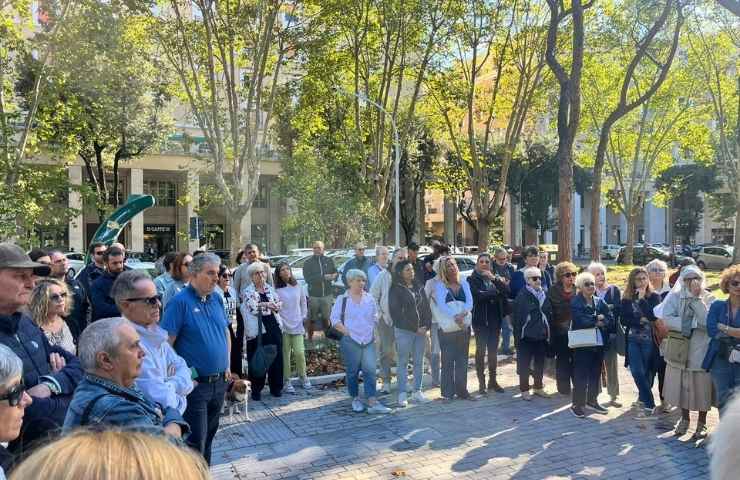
[[582, 338], [447, 322]]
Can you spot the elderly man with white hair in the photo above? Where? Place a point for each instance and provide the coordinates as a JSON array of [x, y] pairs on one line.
[[196, 322], [386, 338], [164, 377], [111, 356]]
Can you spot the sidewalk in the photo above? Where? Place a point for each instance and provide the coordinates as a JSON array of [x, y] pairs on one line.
[[316, 435]]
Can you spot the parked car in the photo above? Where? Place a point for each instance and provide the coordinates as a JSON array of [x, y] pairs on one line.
[[76, 263], [610, 252], [149, 267], [644, 254], [714, 257]]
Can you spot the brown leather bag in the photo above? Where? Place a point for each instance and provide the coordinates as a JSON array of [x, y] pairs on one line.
[[660, 331]]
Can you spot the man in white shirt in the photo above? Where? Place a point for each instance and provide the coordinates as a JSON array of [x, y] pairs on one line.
[[385, 335], [165, 378]]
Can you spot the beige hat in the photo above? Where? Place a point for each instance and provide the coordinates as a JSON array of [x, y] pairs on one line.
[[12, 256]]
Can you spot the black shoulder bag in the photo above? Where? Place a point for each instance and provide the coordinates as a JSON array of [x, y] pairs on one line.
[[332, 333], [263, 355]]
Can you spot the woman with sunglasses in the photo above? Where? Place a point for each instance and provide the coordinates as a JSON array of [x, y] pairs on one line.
[[589, 311], [50, 303], [13, 402], [723, 326], [560, 295], [180, 275], [687, 384], [638, 303], [236, 324]]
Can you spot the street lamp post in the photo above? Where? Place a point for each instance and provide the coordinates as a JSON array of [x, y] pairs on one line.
[[397, 165]]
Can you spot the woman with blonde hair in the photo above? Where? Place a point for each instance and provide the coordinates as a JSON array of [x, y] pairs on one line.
[[687, 384], [560, 295], [50, 303], [453, 303], [112, 455]]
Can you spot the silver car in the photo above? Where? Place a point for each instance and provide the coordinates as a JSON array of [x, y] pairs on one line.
[[714, 257]]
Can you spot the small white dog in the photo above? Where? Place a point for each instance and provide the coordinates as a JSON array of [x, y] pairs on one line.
[[237, 393]]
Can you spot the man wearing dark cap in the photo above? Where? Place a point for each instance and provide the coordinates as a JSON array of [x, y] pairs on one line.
[[50, 374]]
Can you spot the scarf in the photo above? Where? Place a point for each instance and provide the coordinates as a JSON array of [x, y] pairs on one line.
[[540, 295]]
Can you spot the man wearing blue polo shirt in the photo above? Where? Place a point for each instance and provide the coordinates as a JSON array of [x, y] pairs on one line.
[[196, 323]]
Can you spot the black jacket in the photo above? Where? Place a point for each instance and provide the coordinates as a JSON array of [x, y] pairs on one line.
[[88, 275], [528, 320], [103, 306], [21, 335], [77, 319], [314, 270], [489, 301], [409, 307]]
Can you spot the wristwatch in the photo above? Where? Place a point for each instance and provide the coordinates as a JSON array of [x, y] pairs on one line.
[[52, 387]]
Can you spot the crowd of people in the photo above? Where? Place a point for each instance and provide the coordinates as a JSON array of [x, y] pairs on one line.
[[115, 349]]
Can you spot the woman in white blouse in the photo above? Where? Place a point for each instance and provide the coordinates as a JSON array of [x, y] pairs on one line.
[[50, 304], [355, 314], [293, 314]]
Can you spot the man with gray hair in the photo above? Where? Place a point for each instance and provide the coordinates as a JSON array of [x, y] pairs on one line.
[[111, 356], [14, 393], [196, 322], [164, 377], [386, 337]]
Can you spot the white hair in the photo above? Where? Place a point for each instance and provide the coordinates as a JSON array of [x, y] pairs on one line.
[[11, 365], [532, 272], [656, 265], [584, 277], [100, 336], [724, 448], [255, 267], [380, 249], [354, 274], [199, 262], [596, 267]]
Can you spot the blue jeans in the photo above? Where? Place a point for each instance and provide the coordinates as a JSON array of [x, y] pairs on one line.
[[410, 344], [506, 335], [205, 403], [359, 357], [641, 361], [726, 378]]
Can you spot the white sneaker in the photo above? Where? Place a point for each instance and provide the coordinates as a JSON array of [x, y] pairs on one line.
[[385, 388], [378, 408], [307, 384], [646, 414], [418, 397], [357, 405], [288, 387], [402, 402], [526, 396]]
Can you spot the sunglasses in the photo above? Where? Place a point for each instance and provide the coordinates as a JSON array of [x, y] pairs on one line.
[[99, 253], [588, 284], [570, 274], [58, 297], [735, 283], [535, 279], [14, 395], [154, 301]]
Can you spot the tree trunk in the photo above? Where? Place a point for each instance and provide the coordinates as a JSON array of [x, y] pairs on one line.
[[736, 253], [530, 235], [565, 205], [235, 238], [483, 233], [631, 237]]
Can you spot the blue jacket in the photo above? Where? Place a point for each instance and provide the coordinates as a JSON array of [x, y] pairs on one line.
[[630, 316], [103, 306], [718, 313], [88, 275], [20, 334], [584, 315], [102, 402]]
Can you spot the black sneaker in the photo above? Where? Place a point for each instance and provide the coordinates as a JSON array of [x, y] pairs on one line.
[[597, 408], [482, 391], [577, 412], [495, 387]]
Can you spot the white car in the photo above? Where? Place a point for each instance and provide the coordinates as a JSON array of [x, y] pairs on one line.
[[714, 257], [76, 262], [610, 252]]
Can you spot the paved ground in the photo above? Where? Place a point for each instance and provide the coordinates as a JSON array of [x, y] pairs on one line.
[[498, 437]]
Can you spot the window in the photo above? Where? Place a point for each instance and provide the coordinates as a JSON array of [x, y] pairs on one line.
[[204, 147], [259, 236], [262, 199], [165, 193]]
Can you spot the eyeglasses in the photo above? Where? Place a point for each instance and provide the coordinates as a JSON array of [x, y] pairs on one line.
[[58, 297], [154, 301], [14, 395], [535, 279], [185, 264], [570, 274], [588, 284], [99, 253], [735, 283]]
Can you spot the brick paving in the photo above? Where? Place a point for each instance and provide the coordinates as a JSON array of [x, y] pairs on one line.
[[316, 435]]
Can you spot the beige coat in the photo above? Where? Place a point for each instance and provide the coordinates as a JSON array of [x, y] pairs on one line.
[[674, 306]]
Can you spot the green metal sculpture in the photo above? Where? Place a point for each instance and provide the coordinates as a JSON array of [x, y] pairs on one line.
[[109, 230]]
